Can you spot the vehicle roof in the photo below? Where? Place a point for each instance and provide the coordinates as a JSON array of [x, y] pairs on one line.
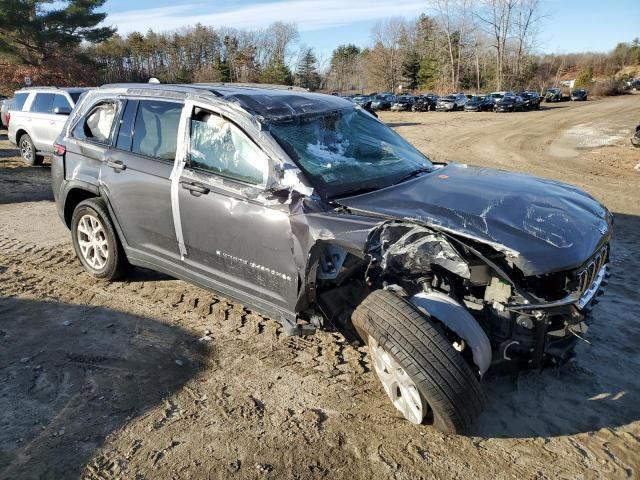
[[54, 89], [267, 101]]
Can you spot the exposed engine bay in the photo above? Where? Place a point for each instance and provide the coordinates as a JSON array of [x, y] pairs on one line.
[[523, 320]]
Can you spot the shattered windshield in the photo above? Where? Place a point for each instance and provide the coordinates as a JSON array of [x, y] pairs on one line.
[[347, 151]]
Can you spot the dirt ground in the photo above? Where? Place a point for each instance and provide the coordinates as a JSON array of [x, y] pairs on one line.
[[154, 378]]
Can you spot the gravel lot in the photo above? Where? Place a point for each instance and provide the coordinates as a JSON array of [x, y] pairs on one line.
[[154, 378]]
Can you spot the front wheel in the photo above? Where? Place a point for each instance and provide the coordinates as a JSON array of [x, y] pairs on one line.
[[424, 376], [95, 240]]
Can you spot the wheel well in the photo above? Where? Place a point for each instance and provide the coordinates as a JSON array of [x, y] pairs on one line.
[[19, 134], [74, 197]]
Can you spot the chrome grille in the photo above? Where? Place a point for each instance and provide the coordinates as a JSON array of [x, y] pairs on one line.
[[588, 275]]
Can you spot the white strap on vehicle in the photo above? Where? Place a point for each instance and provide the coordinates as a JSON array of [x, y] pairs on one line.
[[182, 151]]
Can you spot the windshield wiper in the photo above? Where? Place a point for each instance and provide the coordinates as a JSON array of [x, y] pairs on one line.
[[414, 173]]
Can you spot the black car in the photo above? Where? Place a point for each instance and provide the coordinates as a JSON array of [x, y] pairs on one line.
[[402, 104], [479, 103], [509, 103], [424, 103], [383, 102], [579, 95], [307, 209], [531, 100], [553, 95]]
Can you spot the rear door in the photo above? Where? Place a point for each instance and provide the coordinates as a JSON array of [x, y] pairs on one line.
[[136, 175], [233, 234], [38, 121]]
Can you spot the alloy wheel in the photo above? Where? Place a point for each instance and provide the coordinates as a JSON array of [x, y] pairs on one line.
[[92, 240], [402, 391], [26, 150]]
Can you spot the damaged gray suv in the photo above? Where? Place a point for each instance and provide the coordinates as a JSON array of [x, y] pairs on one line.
[[308, 209]]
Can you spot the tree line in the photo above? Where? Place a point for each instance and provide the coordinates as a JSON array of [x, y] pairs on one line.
[[462, 45]]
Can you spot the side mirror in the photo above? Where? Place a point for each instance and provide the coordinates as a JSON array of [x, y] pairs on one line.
[[62, 110]]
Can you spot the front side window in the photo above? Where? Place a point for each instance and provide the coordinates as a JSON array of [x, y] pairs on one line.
[[347, 150], [156, 129], [96, 125], [42, 103], [219, 147]]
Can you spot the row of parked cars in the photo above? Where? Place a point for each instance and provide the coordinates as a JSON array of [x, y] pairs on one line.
[[497, 101]]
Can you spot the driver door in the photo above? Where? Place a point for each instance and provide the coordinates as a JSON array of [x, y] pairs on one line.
[[235, 235]]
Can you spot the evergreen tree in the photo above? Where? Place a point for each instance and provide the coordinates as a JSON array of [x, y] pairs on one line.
[[411, 69], [277, 73], [33, 34], [307, 75]]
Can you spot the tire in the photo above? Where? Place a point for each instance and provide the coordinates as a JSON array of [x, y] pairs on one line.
[[92, 214], [448, 388], [28, 151]]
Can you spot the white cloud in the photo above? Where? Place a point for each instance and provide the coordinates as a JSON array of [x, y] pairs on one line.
[[307, 14]]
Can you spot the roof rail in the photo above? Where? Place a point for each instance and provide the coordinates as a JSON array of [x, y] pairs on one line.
[[269, 86], [46, 87]]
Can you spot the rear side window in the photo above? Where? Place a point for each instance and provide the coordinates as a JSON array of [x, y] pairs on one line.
[[219, 147], [42, 103], [18, 101], [60, 101], [155, 132], [96, 125]]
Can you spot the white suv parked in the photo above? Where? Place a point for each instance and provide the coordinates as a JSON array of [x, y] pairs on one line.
[[36, 117]]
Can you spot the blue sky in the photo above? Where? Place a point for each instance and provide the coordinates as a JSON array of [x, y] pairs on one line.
[[571, 25]]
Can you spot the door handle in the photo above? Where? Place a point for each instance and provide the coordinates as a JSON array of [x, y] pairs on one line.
[[195, 188], [118, 166]]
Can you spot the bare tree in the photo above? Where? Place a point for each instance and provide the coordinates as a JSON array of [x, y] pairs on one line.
[[384, 61], [497, 17]]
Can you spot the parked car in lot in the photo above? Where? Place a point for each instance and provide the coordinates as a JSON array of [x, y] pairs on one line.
[[509, 103], [553, 95], [635, 140], [424, 103], [36, 118], [383, 102], [479, 103], [309, 210], [579, 95], [4, 111], [531, 100], [403, 104], [362, 99], [451, 103]]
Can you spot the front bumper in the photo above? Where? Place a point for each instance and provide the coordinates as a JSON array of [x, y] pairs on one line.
[[445, 107]]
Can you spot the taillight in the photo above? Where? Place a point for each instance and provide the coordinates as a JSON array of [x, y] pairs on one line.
[[59, 150], [7, 117]]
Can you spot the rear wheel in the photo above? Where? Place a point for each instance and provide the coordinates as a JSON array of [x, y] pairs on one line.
[[28, 151], [95, 240], [424, 376]]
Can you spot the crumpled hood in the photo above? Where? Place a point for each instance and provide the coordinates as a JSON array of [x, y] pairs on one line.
[[544, 226]]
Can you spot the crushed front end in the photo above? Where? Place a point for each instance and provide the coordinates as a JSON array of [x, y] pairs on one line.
[[530, 321]]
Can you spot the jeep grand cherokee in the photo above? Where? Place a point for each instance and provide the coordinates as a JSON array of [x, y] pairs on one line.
[[310, 210]]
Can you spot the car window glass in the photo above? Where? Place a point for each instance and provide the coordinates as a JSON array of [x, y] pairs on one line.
[[156, 129], [220, 147], [96, 126], [60, 101], [126, 125], [42, 103], [75, 96], [18, 101]]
